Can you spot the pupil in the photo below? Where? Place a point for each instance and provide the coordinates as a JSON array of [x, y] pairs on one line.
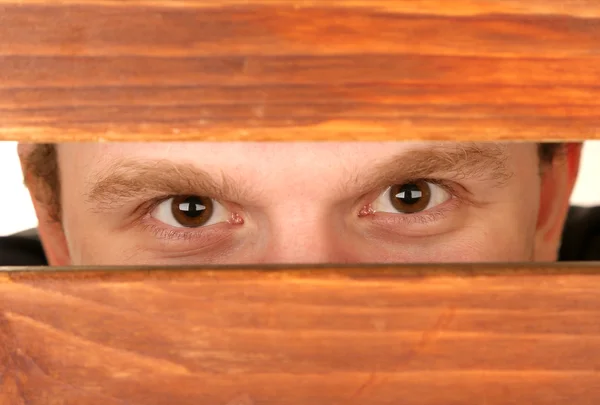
[[410, 194], [192, 207]]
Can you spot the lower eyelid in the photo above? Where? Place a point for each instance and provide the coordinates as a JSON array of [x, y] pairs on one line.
[[180, 239], [408, 219], [429, 216]]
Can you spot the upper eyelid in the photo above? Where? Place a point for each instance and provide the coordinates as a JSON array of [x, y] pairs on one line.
[[145, 204], [450, 186], [440, 183], [453, 187]]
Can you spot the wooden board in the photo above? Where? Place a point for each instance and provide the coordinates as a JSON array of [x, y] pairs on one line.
[[116, 70], [299, 70], [465, 334]]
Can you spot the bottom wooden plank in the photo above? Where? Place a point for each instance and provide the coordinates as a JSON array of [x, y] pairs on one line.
[[381, 335]]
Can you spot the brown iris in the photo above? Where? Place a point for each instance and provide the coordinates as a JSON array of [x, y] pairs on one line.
[[412, 197], [192, 211]]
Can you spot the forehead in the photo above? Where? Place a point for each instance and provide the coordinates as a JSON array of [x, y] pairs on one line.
[[264, 154], [273, 174], [275, 164], [291, 164], [218, 151]]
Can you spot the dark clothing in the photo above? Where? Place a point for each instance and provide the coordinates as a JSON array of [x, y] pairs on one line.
[[581, 235], [22, 249], [580, 241]]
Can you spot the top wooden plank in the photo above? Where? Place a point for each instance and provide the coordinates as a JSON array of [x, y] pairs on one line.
[[578, 8], [299, 70]]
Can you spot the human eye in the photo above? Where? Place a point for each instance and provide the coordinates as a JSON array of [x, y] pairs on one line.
[[190, 211], [186, 225], [417, 207], [411, 197]]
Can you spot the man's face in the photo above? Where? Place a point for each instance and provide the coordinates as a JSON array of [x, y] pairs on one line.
[[224, 203]]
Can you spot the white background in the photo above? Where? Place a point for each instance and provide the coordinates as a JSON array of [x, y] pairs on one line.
[[16, 211]]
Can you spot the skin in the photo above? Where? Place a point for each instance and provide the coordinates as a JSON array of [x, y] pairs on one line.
[[307, 203]]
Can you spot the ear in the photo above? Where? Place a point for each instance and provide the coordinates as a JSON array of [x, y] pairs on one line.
[[557, 183], [49, 226]]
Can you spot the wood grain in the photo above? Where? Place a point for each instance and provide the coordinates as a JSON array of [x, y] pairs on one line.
[[580, 8], [299, 70], [471, 334]]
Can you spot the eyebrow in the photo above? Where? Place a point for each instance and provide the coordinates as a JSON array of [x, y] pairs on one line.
[[487, 162], [133, 179]]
